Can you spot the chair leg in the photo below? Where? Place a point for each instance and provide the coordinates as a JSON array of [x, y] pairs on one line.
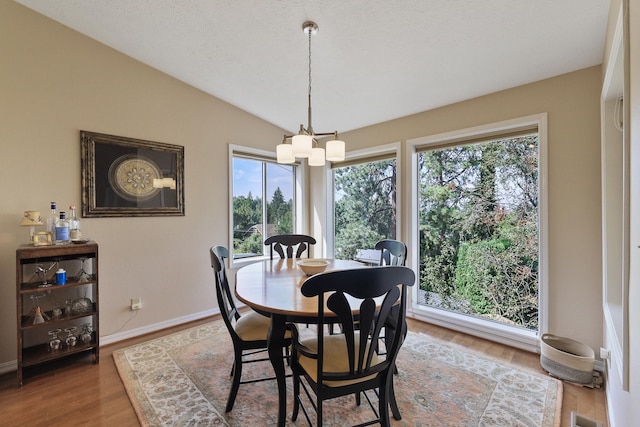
[[383, 404], [319, 412], [235, 384], [296, 397], [395, 410]]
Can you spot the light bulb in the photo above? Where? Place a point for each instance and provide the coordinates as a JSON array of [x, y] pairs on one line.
[[335, 151]]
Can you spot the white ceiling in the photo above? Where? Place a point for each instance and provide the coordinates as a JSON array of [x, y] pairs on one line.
[[372, 60]]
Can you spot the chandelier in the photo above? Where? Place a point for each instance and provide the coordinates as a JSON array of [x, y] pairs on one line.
[[305, 143]]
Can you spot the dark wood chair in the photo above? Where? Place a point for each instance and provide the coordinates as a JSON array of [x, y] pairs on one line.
[[329, 366], [248, 331], [285, 244], [392, 252]]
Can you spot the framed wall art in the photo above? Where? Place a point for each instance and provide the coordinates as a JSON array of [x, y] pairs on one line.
[[130, 177]]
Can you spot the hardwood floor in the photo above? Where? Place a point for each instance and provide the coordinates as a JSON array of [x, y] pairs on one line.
[[84, 394]]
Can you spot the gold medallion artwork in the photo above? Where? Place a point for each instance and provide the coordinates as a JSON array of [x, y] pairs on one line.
[[131, 177]]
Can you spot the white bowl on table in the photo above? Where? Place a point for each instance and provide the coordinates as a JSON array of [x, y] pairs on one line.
[[312, 266]]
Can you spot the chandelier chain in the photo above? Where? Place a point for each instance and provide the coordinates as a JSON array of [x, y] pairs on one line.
[[310, 65]]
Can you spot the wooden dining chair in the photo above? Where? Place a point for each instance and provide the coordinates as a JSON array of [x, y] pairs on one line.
[[347, 363], [392, 252], [285, 244], [248, 331]]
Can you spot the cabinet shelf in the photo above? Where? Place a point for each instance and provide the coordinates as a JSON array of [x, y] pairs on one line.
[[27, 320], [35, 287], [40, 353], [33, 340]]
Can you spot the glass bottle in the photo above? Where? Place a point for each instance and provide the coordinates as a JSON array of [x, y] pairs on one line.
[[51, 222], [62, 229], [74, 224]]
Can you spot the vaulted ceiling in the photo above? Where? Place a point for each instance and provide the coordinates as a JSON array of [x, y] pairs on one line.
[[372, 60]]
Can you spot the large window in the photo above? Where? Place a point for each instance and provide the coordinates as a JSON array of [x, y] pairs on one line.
[[480, 236], [264, 195], [364, 206]]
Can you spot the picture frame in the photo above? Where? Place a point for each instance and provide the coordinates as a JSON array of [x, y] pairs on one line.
[[42, 238], [128, 177]]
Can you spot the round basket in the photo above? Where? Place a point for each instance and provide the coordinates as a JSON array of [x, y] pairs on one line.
[[567, 359]]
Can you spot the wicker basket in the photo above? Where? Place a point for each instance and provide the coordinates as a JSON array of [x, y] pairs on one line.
[[567, 359]]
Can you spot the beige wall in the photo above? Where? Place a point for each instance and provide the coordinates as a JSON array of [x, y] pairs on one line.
[[55, 82]]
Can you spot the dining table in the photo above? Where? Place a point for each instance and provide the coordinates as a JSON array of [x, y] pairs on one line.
[[272, 288]]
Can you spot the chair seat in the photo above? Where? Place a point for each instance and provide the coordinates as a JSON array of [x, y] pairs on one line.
[[335, 359], [254, 326]]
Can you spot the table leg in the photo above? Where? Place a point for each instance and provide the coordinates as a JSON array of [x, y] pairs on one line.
[[276, 344]]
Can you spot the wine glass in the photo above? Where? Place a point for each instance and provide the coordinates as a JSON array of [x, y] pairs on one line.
[[85, 334], [55, 343], [44, 272], [70, 339], [82, 275], [56, 310]]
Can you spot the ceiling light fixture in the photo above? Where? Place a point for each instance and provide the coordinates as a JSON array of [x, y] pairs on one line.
[[305, 143]]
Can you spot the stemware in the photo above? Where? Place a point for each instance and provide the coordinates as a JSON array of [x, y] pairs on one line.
[[85, 334], [43, 273], [56, 311], [82, 275], [70, 339], [55, 343]]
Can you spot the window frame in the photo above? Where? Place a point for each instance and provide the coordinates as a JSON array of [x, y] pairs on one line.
[[393, 150], [516, 337], [299, 198]]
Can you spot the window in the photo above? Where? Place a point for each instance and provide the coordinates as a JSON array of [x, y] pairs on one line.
[[364, 194], [480, 235], [263, 201]]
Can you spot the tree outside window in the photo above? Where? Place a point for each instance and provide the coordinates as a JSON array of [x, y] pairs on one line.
[[364, 206], [263, 203], [478, 236]]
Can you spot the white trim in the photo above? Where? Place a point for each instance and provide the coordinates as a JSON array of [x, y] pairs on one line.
[[514, 336], [300, 220], [132, 333], [616, 314], [12, 365]]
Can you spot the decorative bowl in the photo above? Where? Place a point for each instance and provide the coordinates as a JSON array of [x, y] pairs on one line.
[[312, 266]]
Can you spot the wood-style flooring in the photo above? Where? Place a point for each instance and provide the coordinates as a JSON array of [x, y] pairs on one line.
[[80, 393]]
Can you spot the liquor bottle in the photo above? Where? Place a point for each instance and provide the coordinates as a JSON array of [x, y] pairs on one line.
[[74, 224], [51, 222], [62, 229]]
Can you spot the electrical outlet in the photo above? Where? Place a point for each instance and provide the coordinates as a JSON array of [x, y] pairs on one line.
[[136, 303]]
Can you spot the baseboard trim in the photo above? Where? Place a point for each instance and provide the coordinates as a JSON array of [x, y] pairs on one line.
[[133, 333], [12, 365]]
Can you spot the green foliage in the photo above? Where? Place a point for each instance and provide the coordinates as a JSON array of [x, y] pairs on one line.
[[479, 229], [247, 220], [352, 237], [251, 244], [280, 213], [365, 208]]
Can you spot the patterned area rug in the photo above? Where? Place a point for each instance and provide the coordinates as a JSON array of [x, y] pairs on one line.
[[183, 380]]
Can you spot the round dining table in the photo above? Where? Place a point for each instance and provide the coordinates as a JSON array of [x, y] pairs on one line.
[[272, 287]]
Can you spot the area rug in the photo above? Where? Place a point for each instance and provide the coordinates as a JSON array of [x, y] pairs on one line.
[[183, 379]]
